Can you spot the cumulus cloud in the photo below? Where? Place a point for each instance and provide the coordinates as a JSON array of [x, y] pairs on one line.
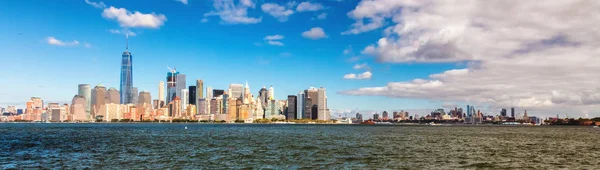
[[128, 19], [308, 6], [361, 76], [99, 5], [322, 16], [360, 66], [281, 13], [183, 1], [231, 13], [544, 60], [54, 41], [274, 40], [314, 33]]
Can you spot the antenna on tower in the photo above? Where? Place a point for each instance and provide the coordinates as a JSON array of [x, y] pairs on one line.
[[127, 41]]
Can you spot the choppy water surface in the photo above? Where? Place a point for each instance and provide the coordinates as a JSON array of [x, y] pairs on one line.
[[155, 146]]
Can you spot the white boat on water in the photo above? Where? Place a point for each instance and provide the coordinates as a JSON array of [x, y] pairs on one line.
[[433, 124]]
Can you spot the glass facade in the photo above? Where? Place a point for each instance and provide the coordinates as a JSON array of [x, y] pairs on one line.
[[126, 85]]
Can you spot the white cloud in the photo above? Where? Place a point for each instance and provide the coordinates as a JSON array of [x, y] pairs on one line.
[[348, 50], [183, 1], [360, 66], [314, 33], [544, 61], [123, 32], [99, 5], [322, 16], [361, 76], [136, 19], [204, 20], [274, 37], [232, 13], [308, 6], [275, 43], [274, 40], [54, 41], [277, 11]]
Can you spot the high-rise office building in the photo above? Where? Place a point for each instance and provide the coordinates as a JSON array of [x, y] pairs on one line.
[[192, 95], [135, 95], [468, 111], [263, 94], [291, 107], [85, 91], [322, 105], [217, 92], [184, 99], [271, 93], [209, 93], [503, 112], [236, 91], [161, 91], [98, 99], [145, 98], [385, 115], [313, 109], [376, 116], [181, 84], [512, 112], [199, 89], [171, 85], [77, 110], [113, 96], [300, 105], [126, 84], [247, 94]]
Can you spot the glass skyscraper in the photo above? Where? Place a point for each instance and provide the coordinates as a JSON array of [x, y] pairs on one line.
[[126, 85]]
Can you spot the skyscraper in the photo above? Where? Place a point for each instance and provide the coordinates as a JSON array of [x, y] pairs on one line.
[[171, 85], [85, 91], [145, 98], [180, 85], [113, 96], [192, 95], [199, 89], [134, 95], [161, 91], [512, 112], [236, 91], [217, 92], [126, 84], [312, 109], [291, 107], [98, 96], [300, 105], [271, 93], [209, 93], [263, 94], [322, 105], [184, 99]]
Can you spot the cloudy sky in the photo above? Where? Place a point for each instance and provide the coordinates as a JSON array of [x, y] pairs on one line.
[[371, 55]]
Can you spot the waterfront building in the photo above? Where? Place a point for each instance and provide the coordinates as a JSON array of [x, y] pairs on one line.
[[58, 114], [224, 104], [199, 88], [236, 91], [113, 96], [190, 111], [192, 95], [503, 112], [247, 96], [313, 109], [175, 108], [300, 100], [385, 115], [202, 106], [359, 117], [126, 83], [209, 93], [171, 85], [232, 109], [512, 112], [110, 111], [270, 110], [259, 110], [218, 92], [85, 91], [98, 99], [184, 99], [161, 93], [376, 116], [291, 107], [157, 103]]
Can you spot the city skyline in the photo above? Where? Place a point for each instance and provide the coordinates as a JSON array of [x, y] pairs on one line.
[[361, 60]]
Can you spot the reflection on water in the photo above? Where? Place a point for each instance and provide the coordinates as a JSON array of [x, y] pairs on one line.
[[156, 146]]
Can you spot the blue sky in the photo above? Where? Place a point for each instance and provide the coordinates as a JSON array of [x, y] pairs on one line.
[[201, 40]]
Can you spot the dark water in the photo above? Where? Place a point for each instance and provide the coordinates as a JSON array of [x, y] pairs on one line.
[[157, 146]]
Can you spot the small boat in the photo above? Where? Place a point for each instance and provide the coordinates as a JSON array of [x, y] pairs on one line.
[[433, 124]]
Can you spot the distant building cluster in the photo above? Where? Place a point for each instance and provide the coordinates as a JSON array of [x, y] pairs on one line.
[[182, 102]]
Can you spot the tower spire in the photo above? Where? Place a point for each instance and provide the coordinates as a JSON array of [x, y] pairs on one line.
[[126, 41]]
